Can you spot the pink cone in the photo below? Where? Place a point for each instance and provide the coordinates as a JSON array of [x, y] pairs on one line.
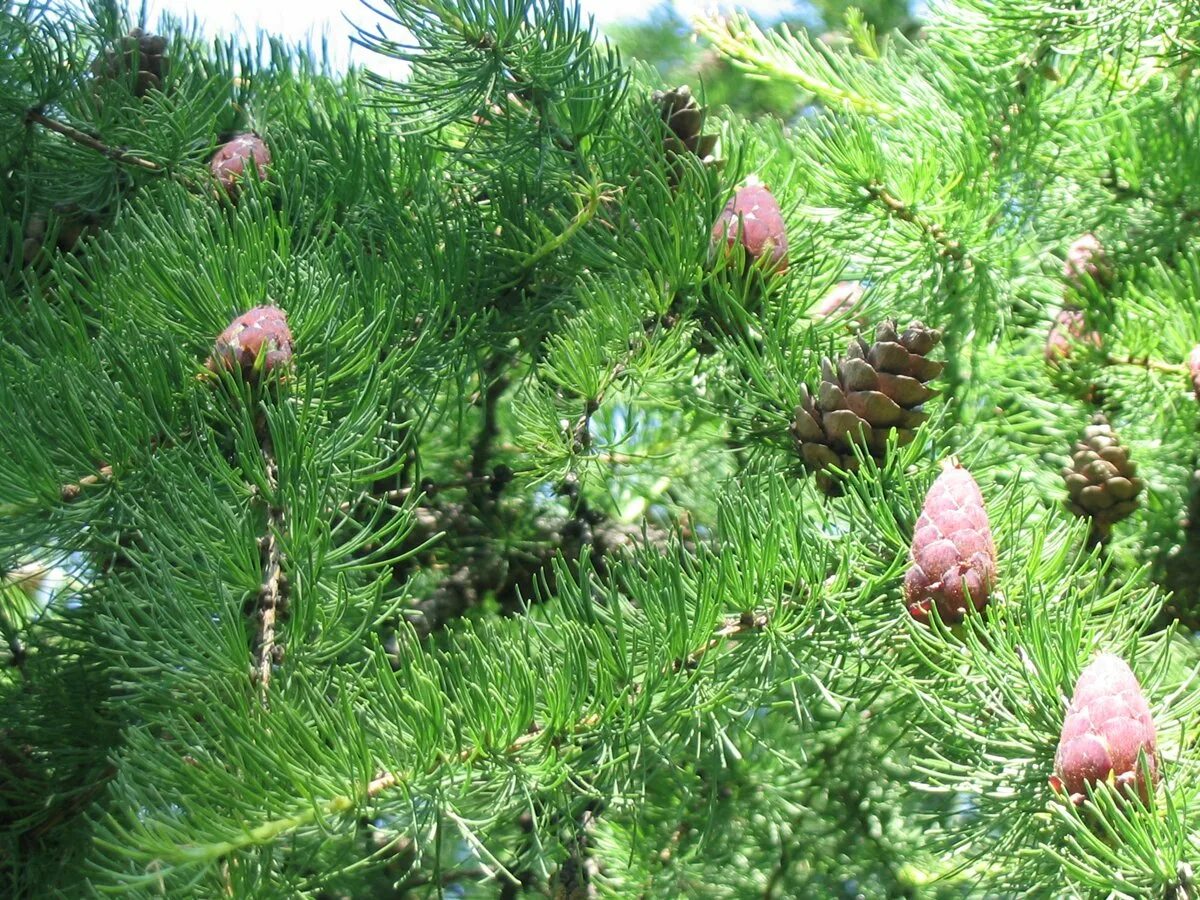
[[1069, 328], [1107, 725], [1087, 259], [263, 331], [229, 162], [953, 554], [762, 230]]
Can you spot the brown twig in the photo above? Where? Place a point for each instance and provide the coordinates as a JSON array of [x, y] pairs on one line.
[[1145, 362], [270, 594], [492, 386], [951, 249], [86, 140]]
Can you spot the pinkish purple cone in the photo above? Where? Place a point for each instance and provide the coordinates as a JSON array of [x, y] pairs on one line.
[[953, 554], [1107, 725], [1087, 261], [1069, 329], [229, 162], [842, 298], [762, 230], [261, 332], [1194, 369]]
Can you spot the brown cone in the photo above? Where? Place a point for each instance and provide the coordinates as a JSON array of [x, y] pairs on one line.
[[872, 390], [137, 52], [685, 119], [1102, 481]]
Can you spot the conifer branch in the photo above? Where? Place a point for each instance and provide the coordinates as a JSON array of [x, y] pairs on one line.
[[268, 832], [595, 194], [577, 876], [122, 156], [896, 207], [785, 57], [1145, 362], [492, 389]]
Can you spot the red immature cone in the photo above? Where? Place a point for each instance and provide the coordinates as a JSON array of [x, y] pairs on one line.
[[1194, 369], [229, 162], [1069, 329], [841, 299], [953, 553], [1107, 725], [262, 333], [753, 217], [1087, 261]]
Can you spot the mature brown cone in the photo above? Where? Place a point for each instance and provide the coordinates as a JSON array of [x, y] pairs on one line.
[[953, 553], [256, 343], [1194, 370], [685, 119], [1069, 328], [1107, 725], [229, 162], [138, 52], [70, 223], [1102, 480], [752, 217], [872, 390]]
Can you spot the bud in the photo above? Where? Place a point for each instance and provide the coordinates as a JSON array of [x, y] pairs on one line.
[[229, 162], [1107, 725], [1087, 261], [953, 554], [260, 334], [1069, 329], [752, 216]]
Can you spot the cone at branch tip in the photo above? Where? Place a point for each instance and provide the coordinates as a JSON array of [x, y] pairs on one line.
[[753, 219], [1088, 261], [684, 117], [1108, 726], [953, 554], [138, 53], [1102, 480], [871, 391], [1069, 330], [256, 343], [231, 159]]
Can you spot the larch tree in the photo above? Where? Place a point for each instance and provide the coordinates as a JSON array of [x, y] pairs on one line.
[[518, 479]]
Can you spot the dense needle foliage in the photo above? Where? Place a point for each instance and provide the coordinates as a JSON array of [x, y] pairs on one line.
[[514, 578]]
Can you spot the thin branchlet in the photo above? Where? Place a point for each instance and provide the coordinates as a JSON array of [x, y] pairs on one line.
[[271, 591]]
